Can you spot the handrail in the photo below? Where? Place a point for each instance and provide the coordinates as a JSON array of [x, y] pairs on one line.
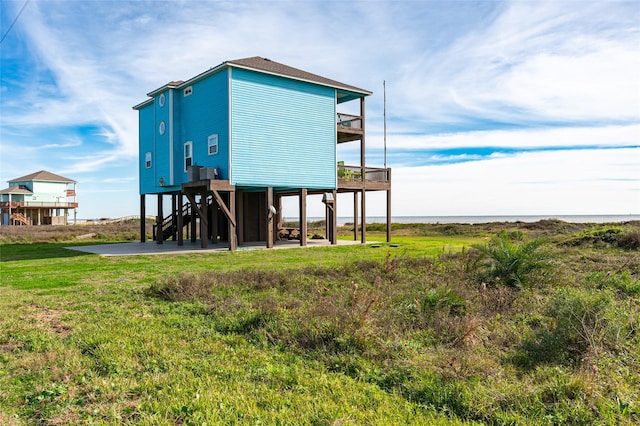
[[354, 173], [348, 120], [50, 204]]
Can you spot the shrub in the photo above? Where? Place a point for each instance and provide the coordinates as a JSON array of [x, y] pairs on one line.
[[510, 263], [629, 240]]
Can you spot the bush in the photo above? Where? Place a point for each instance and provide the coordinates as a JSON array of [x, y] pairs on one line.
[[629, 241], [510, 263]]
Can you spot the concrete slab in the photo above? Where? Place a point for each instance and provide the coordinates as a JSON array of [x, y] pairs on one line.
[[171, 247]]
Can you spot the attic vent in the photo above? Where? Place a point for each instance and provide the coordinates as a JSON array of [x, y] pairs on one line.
[[188, 90]]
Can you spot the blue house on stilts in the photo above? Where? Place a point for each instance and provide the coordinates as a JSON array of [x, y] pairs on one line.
[[228, 144]]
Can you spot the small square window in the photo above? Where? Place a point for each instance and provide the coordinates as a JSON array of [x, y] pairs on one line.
[[213, 144], [147, 160]]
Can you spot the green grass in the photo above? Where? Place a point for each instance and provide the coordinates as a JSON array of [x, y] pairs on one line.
[[319, 336]]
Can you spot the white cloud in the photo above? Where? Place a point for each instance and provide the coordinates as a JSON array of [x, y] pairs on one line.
[[559, 182]]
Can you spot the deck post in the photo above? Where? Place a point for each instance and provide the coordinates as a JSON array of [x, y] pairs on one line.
[[214, 221], [233, 244], [194, 218], [355, 215], [303, 217], [159, 219], [143, 217], [174, 217], [334, 219], [204, 223], [270, 216], [180, 224], [363, 208]]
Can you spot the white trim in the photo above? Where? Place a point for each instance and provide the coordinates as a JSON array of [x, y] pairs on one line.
[[171, 165], [184, 155], [212, 141], [230, 116]]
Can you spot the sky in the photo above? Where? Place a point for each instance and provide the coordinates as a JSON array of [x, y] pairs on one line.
[[492, 107]]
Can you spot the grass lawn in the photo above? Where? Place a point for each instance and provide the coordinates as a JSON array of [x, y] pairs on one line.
[[320, 336]]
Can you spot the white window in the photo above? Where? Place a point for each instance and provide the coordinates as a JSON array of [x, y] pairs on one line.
[[188, 90], [147, 160], [213, 144], [161, 128], [188, 154], [161, 100]]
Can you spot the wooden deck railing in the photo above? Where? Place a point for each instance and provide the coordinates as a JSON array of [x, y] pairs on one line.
[[349, 121], [371, 174], [44, 204]]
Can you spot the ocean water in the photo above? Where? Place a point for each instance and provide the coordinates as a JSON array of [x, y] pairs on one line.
[[486, 219]]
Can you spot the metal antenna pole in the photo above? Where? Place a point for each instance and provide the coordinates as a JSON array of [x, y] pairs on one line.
[[384, 89]]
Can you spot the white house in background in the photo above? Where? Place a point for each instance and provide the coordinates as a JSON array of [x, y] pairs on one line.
[[41, 198]]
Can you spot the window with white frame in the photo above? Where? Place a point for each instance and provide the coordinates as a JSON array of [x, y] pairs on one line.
[[213, 144], [187, 91], [188, 155], [147, 160]]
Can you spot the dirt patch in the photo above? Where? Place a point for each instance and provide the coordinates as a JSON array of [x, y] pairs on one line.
[[10, 347], [49, 319]]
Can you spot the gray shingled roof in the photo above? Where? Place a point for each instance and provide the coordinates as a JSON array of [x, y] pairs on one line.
[[260, 64], [15, 190], [43, 175], [267, 65]]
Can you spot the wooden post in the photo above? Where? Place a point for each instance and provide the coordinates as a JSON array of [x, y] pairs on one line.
[[364, 216], [159, 218], [143, 219], [303, 217], [174, 216], [355, 215], [204, 223], [194, 217], [180, 224], [270, 216], [214, 221], [334, 219], [232, 223]]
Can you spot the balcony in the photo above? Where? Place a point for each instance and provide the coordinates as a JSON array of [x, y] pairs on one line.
[[351, 177], [349, 127], [37, 204]]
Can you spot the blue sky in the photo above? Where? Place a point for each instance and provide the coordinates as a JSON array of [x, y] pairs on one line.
[[493, 107]]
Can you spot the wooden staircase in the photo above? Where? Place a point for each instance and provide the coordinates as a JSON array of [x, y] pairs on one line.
[[20, 219], [169, 228]]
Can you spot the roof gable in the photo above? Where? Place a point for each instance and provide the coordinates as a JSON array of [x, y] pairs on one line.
[[43, 175]]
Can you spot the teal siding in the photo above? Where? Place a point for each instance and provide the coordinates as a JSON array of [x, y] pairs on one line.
[[283, 132], [162, 161], [146, 144], [203, 113]]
